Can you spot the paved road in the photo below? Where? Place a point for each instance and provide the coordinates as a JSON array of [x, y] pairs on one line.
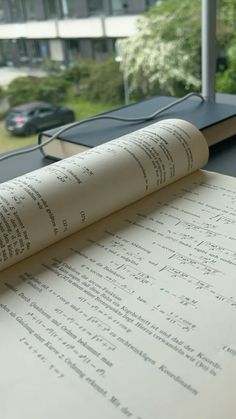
[[7, 74]]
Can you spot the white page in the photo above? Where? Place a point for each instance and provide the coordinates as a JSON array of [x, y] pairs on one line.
[[44, 206], [134, 316]]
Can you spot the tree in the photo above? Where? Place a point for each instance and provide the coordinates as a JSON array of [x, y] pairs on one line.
[[164, 56], [105, 82], [226, 81], [27, 89], [226, 76]]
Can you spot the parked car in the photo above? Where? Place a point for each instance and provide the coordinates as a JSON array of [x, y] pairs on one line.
[[29, 118]]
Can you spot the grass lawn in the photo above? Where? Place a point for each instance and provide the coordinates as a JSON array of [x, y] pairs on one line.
[[11, 142], [82, 108]]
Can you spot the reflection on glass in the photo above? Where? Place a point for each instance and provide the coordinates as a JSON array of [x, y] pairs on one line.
[[30, 10], [118, 7], [2, 13], [73, 49], [16, 10], [95, 7], [68, 8], [50, 9]]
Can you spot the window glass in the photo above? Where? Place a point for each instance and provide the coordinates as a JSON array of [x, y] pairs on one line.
[[100, 49], [30, 11], [2, 11], [73, 49], [16, 10], [36, 48], [118, 7], [32, 113], [45, 110], [100, 45], [95, 7], [5, 52], [68, 8], [22, 51], [50, 9]]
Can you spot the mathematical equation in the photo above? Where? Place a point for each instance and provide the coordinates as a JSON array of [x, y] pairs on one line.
[[199, 285]]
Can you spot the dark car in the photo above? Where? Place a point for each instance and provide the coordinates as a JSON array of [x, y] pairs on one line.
[[30, 118]]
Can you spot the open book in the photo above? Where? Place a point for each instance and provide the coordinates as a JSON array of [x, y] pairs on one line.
[[117, 283]]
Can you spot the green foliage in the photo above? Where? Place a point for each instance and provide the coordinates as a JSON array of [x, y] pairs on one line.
[[94, 81], [2, 93], [83, 108], [52, 66], [97, 80], [27, 89], [164, 56], [78, 74], [226, 76], [51, 89], [105, 83], [79, 71], [226, 81], [22, 90]]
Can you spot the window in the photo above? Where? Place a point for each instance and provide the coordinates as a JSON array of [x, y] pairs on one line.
[[100, 45], [100, 49], [149, 3], [44, 50], [5, 52], [30, 11], [50, 9], [2, 11], [35, 48], [22, 51], [73, 49], [68, 8], [95, 7], [32, 113], [38, 50], [16, 10], [118, 7], [46, 110]]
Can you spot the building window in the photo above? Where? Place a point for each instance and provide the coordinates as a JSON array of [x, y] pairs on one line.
[[118, 7], [2, 11], [50, 9], [5, 52], [16, 10], [22, 51], [30, 11], [149, 3], [95, 7], [38, 49], [68, 8], [36, 53], [73, 50], [99, 49]]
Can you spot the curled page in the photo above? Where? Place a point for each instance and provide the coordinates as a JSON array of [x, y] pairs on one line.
[[44, 206]]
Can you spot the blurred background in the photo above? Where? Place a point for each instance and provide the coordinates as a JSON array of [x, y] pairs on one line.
[[96, 55]]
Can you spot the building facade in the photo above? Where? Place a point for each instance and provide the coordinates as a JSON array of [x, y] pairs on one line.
[[63, 31]]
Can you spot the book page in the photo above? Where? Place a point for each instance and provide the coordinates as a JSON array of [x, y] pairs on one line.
[[44, 206], [132, 317]]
